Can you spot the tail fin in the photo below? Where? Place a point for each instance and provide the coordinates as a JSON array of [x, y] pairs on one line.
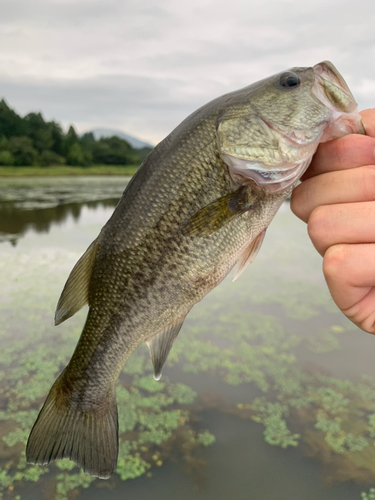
[[88, 438]]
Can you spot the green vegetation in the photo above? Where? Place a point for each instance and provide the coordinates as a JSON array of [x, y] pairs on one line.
[[272, 415], [368, 496], [33, 141]]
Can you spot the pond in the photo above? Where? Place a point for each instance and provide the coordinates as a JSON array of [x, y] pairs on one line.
[[268, 393]]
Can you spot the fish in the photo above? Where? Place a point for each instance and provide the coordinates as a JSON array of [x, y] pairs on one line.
[[198, 206]]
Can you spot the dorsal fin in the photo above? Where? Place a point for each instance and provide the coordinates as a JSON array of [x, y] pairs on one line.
[[75, 294], [160, 344], [249, 254]]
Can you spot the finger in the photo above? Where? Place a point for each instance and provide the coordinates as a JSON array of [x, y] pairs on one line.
[[368, 120], [347, 152], [346, 186], [330, 225], [349, 271]]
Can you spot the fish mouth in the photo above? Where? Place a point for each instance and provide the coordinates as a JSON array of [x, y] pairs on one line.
[[331, 90], [335, 88]]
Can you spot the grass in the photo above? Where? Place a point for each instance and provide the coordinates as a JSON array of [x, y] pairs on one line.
[[67, 170]]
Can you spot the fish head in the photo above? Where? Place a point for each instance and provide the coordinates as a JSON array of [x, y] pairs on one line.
[[268, 132]]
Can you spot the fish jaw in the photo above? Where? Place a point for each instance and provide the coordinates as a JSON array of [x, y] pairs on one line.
[[274, 180], [331, 89]]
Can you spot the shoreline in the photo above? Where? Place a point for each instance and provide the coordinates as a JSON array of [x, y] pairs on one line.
[[104, 170]]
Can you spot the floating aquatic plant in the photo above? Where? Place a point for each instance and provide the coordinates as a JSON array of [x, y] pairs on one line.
[[271, 415], [368, 496]]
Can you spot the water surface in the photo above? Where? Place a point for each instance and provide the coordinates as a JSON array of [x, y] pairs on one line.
[[269, 392]]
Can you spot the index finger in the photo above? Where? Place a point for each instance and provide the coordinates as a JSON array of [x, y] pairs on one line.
[[350, 151]]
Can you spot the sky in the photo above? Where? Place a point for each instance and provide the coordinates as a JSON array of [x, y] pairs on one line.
[[143, 66]]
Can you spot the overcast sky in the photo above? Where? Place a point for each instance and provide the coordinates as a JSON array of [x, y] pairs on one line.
[[143, 66]]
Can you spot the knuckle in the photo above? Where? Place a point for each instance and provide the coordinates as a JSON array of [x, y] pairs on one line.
[[334, 261], [318, 224], [298, 201], [294, 202], [368, 326]]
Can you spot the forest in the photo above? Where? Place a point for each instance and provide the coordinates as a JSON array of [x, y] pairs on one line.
[[32, 141]]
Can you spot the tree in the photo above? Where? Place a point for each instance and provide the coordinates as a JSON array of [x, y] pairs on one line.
[[23, 151], [6, 158], [114, 151], [143, 152], [87, 139], [10, 123], [33, 141], [70, 139], [77, 156], [39, 132], [58, 138], [51, 158]]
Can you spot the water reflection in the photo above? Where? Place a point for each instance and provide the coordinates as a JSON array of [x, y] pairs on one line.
[[38, 203], [15, 222]]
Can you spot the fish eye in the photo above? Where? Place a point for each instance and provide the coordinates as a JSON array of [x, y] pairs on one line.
[[289, 80]]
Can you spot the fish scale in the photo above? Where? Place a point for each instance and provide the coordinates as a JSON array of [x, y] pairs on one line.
[[200, 203]]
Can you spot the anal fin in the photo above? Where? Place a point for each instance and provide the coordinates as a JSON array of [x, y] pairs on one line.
[[161, 343], [75, 294], [249, 254]]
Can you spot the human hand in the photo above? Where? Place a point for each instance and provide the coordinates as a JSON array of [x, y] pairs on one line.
[[337, 201]]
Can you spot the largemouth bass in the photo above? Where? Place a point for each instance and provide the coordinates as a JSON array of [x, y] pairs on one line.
[[198, 205]]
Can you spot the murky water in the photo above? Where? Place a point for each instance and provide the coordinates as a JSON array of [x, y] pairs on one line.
[[263, 395]]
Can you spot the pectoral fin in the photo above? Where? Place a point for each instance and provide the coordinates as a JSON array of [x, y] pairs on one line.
[[75, 294], [214, 216], [160, 345], [249, 255]]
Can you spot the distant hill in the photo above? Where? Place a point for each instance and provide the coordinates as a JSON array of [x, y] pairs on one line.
[[133, 141]]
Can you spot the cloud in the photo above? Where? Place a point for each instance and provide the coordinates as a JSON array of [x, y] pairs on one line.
[[143, 66]]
